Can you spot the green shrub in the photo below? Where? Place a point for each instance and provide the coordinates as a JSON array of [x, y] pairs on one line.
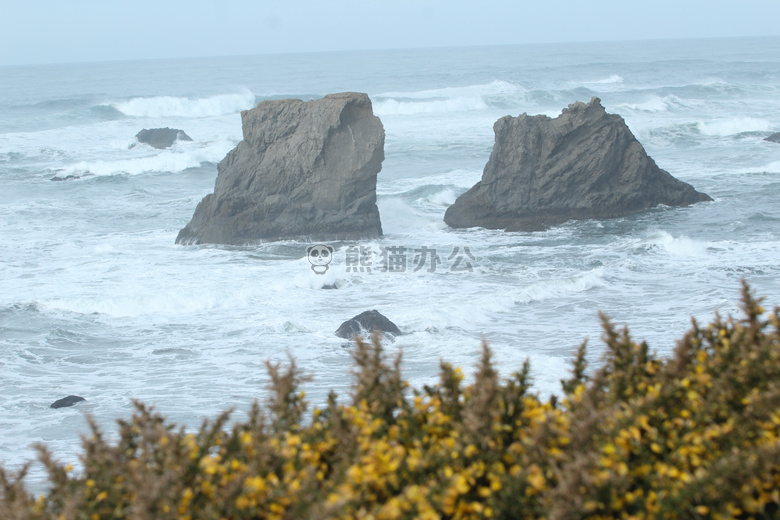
[[692, 436]]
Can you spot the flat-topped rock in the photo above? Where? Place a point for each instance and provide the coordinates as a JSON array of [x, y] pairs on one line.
[[161, 138], [67, 401], [304, 170], [583, 164]]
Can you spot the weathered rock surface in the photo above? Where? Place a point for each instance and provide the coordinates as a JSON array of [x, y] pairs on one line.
[[775, 138], [304, 170], [366, 323], [583, 164], [161, 138], [67, 401]]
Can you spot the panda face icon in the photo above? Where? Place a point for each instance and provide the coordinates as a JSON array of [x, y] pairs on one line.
[[320, 256]]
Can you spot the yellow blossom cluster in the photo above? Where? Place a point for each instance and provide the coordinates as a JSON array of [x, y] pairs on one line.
[[695, 436]]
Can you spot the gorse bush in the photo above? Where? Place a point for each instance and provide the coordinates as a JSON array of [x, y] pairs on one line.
[[692, 436]]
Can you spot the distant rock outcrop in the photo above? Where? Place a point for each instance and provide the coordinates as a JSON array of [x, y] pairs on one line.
[[775, 138], [161, 138], [583, 164], [366, 323], [304, 170], [67, 401]]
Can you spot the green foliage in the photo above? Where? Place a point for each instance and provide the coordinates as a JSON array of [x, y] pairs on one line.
[[693, 436]]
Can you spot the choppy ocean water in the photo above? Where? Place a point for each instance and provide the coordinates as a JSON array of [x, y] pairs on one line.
[[96, 300]]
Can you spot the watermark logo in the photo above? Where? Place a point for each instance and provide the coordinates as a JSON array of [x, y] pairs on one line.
[[320, 256], [394, 259]]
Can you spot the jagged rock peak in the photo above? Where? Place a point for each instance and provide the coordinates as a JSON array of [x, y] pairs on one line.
[[583, 164]]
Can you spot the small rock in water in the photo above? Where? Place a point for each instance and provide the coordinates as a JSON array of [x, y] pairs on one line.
[[774, 138], [161, 138], [368, 321], [67, 401]]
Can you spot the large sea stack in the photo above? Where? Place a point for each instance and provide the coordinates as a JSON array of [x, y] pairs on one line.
[[583, 164], [304, 170]]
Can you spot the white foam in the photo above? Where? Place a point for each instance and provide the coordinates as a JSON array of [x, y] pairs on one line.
[[494, 88], [733, 126], [391, 107], [444, 197], [168, 106], [461, 178], [681, 245], [399, 218], [176, 159], [611, 80], [548, 289], [152, 303], [451, 99], [654, 104], [773, 167]]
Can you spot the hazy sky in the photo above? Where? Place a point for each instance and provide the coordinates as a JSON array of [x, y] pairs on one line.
[[53, 31]]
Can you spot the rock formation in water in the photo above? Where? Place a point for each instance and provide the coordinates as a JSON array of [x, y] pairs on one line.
[[583, 164], [774, 138], [304, 170], [66, 178], [367, 322], [161, 138], [67, 401]]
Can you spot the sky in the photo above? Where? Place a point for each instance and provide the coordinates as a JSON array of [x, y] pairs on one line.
[[63, 31]]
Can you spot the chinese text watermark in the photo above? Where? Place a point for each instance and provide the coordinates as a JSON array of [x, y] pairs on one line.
[[394, 259]]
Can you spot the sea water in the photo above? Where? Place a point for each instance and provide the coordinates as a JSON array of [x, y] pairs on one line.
[[96, 299]]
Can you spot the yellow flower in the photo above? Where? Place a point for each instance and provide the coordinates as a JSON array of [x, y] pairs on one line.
[[461, 485], [536, 478], [255, 485], [242, 502]]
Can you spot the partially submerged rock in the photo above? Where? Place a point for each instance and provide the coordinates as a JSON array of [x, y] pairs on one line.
[[774, 138], [66, 178], [366, 323], [161, 138], [67, 401], [583, 164], [304, 170]]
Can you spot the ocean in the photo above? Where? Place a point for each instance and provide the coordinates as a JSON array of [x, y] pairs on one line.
[[96, 299]]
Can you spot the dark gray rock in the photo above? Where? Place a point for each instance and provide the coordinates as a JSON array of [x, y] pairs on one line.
[[583, 164], [161, 138], [66, 178], [304, 170], [67, 401], [366, 323], [774, 138]]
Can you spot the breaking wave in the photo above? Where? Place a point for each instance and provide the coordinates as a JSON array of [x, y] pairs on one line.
[[451, 99], [168, 106], [734, 126], [172, 160], [557, 288]]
